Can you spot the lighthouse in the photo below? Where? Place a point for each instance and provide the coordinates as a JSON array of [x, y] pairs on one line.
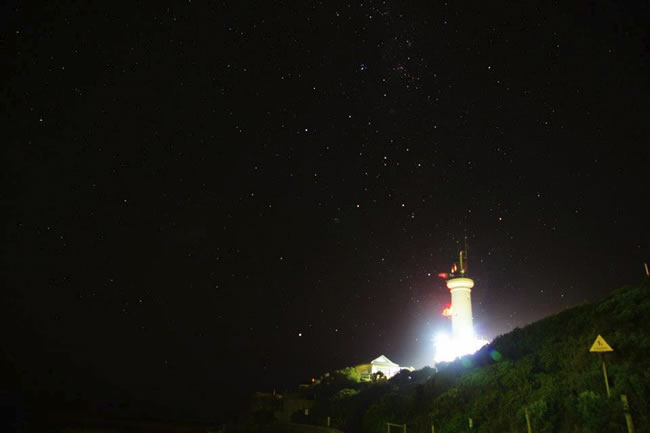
[[460, 286], [462, 340]]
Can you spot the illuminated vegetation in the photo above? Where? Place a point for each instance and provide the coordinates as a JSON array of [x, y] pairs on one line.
[[545, 368]]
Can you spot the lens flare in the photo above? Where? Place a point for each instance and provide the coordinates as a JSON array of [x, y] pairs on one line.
[[449, 349]]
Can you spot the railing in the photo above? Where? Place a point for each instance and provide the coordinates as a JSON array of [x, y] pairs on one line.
[[308, 428]]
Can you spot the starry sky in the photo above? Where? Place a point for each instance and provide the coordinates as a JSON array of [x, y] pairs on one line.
[[207, 198]]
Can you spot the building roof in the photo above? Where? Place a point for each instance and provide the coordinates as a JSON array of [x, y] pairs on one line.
[[382, 360]]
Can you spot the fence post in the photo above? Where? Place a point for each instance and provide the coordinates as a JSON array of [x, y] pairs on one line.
[[530, 430], [628, 415]]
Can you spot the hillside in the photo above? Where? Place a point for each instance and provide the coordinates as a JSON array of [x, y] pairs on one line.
[[544, 367]]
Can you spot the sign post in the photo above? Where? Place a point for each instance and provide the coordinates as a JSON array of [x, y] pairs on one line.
[[600, 346]]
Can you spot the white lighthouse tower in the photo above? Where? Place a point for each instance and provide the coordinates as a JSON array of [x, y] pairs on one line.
[[460, 286], [462, 341]]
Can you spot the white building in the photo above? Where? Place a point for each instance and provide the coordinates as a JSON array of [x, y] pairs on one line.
[[460, 286], [462, 326], [462, 341], [380, 364]]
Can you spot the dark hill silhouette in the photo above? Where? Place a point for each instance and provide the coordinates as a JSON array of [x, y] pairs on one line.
[[544, 368]]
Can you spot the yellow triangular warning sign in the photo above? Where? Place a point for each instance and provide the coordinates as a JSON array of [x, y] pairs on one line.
[[600, 345]]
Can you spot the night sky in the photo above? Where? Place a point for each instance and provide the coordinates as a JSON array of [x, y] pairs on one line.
[[210, 197]]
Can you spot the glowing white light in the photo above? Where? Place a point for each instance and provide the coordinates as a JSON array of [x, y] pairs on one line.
[[448, 349]]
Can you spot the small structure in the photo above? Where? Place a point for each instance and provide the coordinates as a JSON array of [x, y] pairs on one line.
[[282, 406], [380, 364]]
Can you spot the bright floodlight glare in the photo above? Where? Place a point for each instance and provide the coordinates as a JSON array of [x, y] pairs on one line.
[[448, 349]]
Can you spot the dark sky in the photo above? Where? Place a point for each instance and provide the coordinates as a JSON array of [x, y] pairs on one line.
[[208, 196]]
